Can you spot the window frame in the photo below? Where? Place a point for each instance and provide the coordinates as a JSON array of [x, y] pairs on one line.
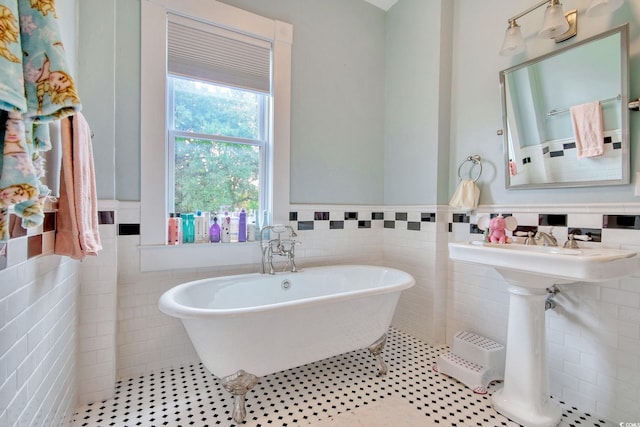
[[155, 255]]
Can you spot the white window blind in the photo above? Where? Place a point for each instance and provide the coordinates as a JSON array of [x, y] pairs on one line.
[[203, 51]]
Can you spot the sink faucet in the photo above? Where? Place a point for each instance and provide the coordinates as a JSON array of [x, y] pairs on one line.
[[278, 246], [548, 238]]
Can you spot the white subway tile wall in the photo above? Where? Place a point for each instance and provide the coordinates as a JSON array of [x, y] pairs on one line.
[[593, 334], [38, 315], [57, 325]]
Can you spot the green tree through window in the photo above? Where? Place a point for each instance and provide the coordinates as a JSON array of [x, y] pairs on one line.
[[218, 139]]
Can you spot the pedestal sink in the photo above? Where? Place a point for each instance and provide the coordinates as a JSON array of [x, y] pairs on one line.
[[530, 270]]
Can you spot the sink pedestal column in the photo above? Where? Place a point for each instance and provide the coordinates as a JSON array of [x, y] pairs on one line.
[[524, 398]]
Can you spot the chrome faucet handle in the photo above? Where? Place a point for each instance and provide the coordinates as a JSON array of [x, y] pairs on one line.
[[528, 237], [571, 242], [529, 240], [548, 238]]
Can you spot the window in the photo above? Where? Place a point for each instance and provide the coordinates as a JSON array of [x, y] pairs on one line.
[[226, 108], [217, 147]]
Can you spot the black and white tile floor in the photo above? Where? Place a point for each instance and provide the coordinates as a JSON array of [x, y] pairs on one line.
[[191, 396]]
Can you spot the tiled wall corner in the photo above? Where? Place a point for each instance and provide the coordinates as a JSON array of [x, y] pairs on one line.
[[97, 313]]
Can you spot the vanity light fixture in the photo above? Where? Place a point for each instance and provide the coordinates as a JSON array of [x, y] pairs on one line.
[[556, 25], [603, 7]]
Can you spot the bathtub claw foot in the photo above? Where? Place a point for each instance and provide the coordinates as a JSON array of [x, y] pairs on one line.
[[376, 350], [238, 385]]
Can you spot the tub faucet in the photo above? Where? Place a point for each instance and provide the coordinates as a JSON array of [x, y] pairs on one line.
[[278, 246], [548, 238]]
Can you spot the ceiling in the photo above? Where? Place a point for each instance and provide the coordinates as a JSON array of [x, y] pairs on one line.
[[382, 4]]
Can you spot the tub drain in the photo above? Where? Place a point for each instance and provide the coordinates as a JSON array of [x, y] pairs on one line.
[[285, 285]]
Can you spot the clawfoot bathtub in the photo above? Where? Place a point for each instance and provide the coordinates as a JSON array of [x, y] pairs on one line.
[[247, 326]]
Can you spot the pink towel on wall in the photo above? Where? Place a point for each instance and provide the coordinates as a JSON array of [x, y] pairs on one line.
[[77, 221], [588, 129]]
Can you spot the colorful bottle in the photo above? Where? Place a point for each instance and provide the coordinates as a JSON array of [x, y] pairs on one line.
[[173, 235], [188, 229], [242, 226], [257, 229], [205, 226], [264, 223], [180, 227], [214, 231], [251, 227], [199, 227], [225, 228], [234, 227]]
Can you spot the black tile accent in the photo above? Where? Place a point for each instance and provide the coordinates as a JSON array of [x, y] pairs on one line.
[[525, 229], [321, 216], [364, 224], [106, 217], [389, 223], [460, 217], [628, 222], [401, 216], [558, 153], [34, 246], [428, 217], [413, 225], [350, 216], [450, 227], [552, 220], [15, 227], [377, 215], [569, 145], [336, 225], [49, 223], [608, 140], [305, 225], [128, 229], [595, 234], [293, 216], [473, 229], [617, 145]]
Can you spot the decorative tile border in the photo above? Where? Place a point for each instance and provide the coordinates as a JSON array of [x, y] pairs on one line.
[[25, 244], [561, 223], [400, 221]]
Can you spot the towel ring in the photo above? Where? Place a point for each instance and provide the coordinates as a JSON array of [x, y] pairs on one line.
[[476, 160]]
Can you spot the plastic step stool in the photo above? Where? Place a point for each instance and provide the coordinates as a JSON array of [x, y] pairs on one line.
[[475, 361]]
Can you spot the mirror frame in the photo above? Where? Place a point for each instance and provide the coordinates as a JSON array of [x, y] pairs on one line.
[[623, 30]]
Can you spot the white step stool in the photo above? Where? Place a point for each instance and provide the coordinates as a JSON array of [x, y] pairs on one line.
[[475, 361]]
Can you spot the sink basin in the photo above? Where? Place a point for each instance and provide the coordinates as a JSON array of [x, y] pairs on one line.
[[573, 265]]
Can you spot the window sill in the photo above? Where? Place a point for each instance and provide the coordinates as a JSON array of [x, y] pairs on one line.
[[198, 255]]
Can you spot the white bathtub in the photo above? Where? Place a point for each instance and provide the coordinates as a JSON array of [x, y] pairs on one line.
[[258, 324]]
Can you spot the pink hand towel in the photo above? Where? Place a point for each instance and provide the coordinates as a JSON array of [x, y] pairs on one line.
[[588, 129], [77, 221]]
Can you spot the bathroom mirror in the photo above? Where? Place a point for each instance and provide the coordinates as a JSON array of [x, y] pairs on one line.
[[539, 142]]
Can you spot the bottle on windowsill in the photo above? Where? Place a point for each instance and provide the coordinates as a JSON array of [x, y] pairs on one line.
[[214, 231]]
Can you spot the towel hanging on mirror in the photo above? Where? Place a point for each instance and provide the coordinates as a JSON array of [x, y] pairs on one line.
[[588, 129], [466, 197]]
